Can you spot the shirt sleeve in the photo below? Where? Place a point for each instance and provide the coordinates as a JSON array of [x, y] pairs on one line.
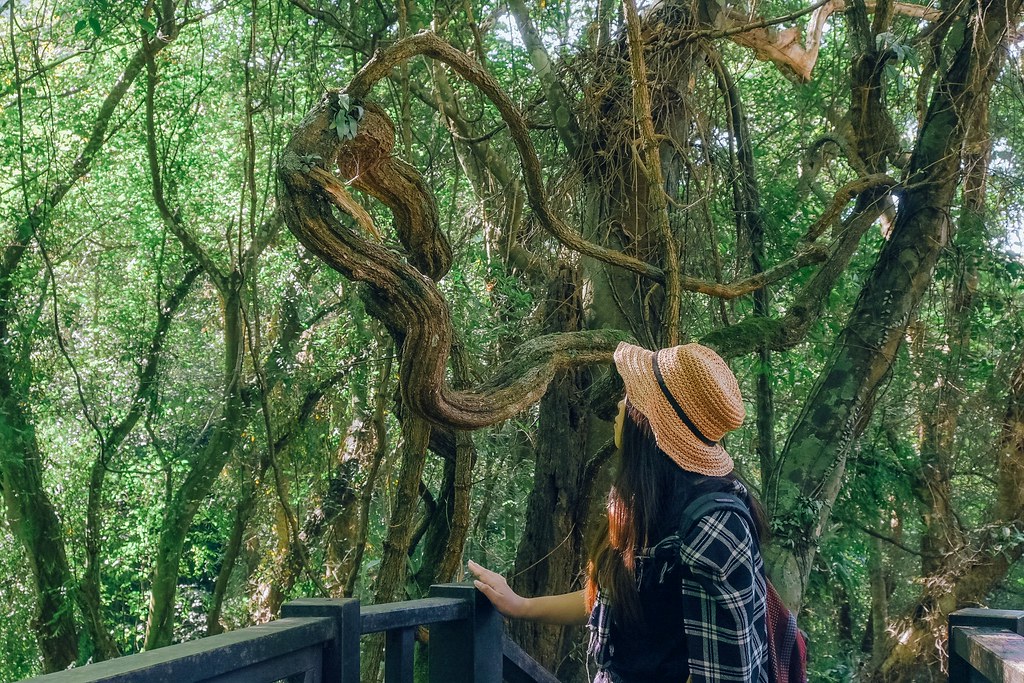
[[720, 595]]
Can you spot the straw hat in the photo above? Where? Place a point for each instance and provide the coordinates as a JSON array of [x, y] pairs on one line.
[[690, 397]]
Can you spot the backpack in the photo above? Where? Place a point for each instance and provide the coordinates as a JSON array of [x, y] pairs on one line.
[[787, 644]]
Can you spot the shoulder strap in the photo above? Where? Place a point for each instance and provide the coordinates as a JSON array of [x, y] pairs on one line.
[[707, 503]]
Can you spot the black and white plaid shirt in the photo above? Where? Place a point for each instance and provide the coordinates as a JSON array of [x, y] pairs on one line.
[[723, 605]]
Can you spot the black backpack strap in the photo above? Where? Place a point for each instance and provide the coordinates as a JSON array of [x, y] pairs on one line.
[[707, 503]]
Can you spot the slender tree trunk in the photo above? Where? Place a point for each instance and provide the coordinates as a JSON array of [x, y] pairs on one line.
[[341, 515], [966, 577], [215, 444], [244, 507], [286, 565], [938, 422], [366, 495], [436, 530], [35, 523], [88, 596], [394, 561], [879, 615], [448, 524]]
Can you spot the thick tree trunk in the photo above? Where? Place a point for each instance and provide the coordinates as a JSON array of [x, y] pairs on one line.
[[550, 555]]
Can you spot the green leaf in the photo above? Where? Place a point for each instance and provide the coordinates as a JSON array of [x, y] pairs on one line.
[[94, 24], [343, 123], [148, 26]]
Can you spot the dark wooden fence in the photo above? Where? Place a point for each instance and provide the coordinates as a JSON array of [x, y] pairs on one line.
[[317, 641], [986, 645]]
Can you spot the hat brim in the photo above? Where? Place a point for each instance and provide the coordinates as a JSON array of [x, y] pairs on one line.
[[636, 367]]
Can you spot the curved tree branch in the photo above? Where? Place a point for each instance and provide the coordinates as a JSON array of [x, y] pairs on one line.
[[408, 300]]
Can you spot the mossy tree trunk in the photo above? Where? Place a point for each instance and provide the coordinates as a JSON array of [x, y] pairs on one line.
[[34, 521], [215, 444], [814, 458]]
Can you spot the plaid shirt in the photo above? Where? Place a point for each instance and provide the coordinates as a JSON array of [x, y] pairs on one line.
[[723, 604]]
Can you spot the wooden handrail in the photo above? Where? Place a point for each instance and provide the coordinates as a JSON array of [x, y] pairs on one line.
[[986, 645], [519, 667], [320, 637], [393, 615], [286, 646]]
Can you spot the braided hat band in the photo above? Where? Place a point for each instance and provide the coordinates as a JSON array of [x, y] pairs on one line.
[[690, 397]]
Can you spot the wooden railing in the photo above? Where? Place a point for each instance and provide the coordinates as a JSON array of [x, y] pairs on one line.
[[317, 641], [986, 645]]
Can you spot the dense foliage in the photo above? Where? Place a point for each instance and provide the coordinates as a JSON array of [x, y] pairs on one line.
[[200, 419]]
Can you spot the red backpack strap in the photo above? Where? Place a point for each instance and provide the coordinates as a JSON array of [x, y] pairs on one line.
[[787, 646]]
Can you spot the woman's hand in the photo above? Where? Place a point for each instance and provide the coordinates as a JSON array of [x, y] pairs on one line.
[[494, 586], [563, 609]]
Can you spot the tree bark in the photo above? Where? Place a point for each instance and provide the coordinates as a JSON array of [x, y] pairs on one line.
[[34, 521], [244, 507], [410, 303], [550, 555], [394, 560], [366, 495]]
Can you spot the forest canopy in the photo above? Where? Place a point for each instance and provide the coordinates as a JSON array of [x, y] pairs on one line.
[[318, 298]]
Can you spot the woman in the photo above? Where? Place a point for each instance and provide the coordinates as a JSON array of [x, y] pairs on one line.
[[664, 603]]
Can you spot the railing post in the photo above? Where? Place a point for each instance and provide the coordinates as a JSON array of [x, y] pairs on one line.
[[959, 668], [466, 651], [399, 658], [341, 658]]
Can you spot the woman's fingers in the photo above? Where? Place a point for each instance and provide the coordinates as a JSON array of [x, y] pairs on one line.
[[484, 574], [495, 588]]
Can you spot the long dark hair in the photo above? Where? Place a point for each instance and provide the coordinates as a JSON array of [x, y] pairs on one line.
[[644, 487]]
